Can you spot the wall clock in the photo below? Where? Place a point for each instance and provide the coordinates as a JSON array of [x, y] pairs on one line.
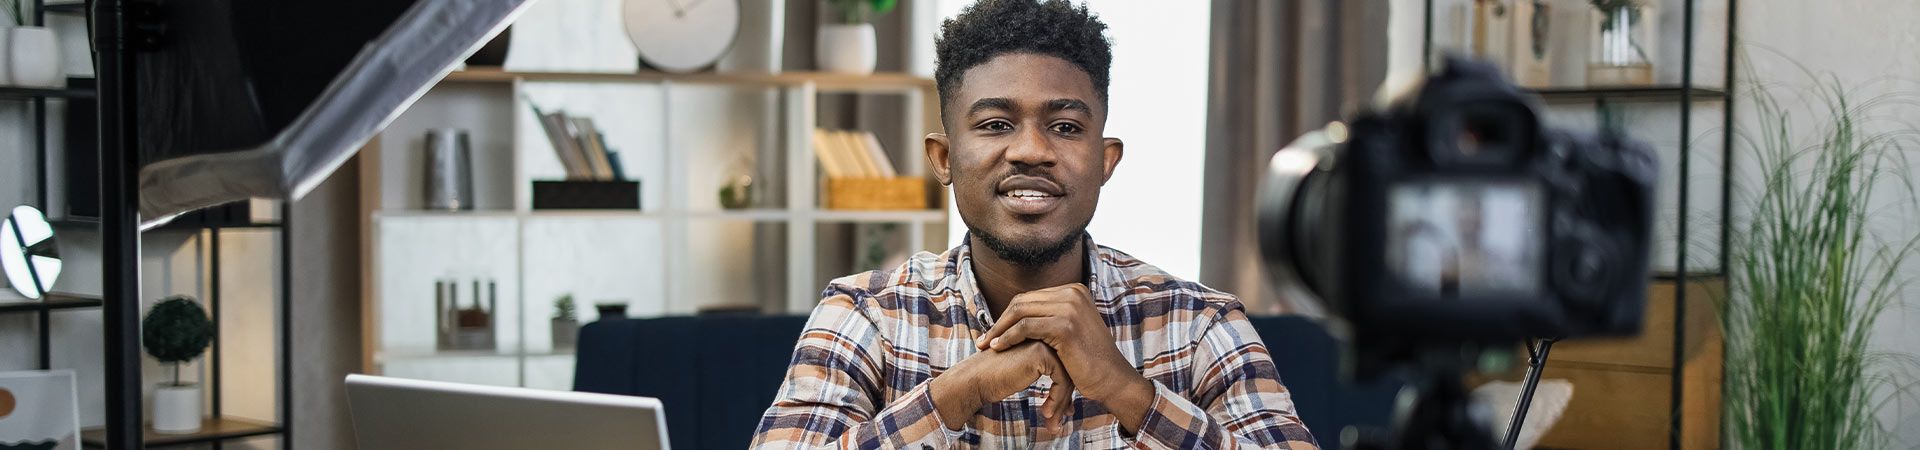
[[681, 35]]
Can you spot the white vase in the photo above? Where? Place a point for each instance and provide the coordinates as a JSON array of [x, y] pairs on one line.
[[34, 57], [845, 48], [176, 409]]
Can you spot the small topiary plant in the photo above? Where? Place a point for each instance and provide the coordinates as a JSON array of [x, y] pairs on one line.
[[176, 331]]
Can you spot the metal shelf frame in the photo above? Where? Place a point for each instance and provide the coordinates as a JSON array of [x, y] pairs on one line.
[[1684, 95]]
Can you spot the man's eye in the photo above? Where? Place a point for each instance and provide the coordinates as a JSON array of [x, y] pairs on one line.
[[1066, 128], [997, 126]]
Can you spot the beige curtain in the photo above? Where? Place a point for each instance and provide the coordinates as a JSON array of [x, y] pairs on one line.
[[1279, 68]]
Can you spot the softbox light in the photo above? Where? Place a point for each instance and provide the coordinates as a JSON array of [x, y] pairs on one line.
[[251, 99]]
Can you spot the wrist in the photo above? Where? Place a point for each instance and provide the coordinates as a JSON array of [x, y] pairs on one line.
[[954, 399]]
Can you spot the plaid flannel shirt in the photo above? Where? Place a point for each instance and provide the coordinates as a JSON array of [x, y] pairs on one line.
[[859, 373]]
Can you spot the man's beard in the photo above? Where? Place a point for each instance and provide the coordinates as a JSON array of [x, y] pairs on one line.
[[1028, 256]]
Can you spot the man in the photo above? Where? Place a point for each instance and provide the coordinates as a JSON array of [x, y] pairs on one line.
[[1027, 334]]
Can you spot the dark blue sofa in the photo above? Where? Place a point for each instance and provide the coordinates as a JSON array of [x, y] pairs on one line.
[[716, 374]]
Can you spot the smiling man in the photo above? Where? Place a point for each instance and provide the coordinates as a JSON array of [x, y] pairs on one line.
[[1028, 335]]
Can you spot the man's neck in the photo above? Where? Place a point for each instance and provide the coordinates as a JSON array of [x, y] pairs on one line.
[[999, 280]]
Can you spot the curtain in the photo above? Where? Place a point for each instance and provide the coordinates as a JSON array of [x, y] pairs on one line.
[[1279, 69]]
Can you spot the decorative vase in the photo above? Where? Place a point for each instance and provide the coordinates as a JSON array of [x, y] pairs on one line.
[[565, 333], [34, 57], [449, 170], [176, 408], [1620, 54], [845, 48]]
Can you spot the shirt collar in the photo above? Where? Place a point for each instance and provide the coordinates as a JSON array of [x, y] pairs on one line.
[[1101, 275]]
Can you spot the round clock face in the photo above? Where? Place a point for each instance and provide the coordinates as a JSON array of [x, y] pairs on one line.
[[682, 35]]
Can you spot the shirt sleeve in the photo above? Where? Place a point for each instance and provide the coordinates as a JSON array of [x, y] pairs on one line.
[[1237, 399], [831, 393]]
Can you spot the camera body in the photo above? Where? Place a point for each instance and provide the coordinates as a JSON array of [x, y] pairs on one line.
[[1457, 217]]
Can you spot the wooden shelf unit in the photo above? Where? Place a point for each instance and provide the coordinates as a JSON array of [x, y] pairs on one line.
[[679, 223]]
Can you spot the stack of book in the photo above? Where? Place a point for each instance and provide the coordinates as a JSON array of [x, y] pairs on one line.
[[851, 154], [859, 174], [582, 148]]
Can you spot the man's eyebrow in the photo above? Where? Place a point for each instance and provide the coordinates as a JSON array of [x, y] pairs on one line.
[[1069, 104], [1000, 103]]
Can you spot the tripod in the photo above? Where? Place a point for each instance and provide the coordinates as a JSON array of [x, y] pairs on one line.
[[1536, 361]]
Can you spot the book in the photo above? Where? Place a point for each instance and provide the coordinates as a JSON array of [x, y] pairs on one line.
[[850, 148], [592, 149], [825, 148], [878, 154], [554, 125], [581, 168], [613, 162]]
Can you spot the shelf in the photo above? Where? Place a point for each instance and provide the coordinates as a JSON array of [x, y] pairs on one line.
[[28, 93], [931, 215], [211, 430], [64, 8], [180, 224], [754, 215], [53, 301], [820, 80], [1625, 93]]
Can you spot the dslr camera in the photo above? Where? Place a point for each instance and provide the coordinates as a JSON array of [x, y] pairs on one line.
[[1456, 216]]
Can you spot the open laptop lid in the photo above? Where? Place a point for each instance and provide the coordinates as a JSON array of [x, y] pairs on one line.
[[394, 414]]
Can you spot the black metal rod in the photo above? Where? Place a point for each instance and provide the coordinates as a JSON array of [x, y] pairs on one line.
[[286, 324], [213, 302], [1677, 380], [1536, 362], [1426, 37], [119, 223], [1726, 138], [40, 169]]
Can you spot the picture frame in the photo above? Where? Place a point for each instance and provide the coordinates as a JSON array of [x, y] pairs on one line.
[[39, 409]]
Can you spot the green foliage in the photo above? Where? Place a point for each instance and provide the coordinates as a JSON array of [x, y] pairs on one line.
[[859, 11], [176, 330], [1810, 277], [563, 308]]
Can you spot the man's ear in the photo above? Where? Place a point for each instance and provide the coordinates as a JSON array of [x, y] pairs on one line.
[[1113, 150], [937, 158]]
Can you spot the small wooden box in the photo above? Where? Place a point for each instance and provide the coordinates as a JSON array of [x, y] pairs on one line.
[[899, 193]]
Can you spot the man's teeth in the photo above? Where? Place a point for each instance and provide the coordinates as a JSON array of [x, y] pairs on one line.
[[1027, 193]]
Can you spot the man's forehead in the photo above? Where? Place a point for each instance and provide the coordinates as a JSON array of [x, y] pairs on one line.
[[1027, 80]]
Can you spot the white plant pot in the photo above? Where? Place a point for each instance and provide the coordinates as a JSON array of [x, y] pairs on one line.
[[34, 57], [845, 48], [176, 409]]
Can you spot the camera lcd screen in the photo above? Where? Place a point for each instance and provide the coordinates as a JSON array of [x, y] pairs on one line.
[[1465, 239]]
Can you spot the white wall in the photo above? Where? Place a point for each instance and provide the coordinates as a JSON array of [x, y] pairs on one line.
[[1158, 99]]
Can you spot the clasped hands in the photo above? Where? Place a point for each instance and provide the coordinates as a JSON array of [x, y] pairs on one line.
[[1054, 332]]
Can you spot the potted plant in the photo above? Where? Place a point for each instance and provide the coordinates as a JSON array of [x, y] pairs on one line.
[[175, 332], [566, 325], [1811, 275], [32, 52], [845, 43]]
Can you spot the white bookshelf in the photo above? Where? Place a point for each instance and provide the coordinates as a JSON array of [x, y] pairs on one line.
[[680, 253]]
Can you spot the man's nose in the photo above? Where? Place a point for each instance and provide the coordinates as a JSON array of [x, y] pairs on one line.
[[1030, 147]]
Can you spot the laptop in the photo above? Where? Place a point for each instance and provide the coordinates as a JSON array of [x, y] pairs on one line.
[[394, 414]]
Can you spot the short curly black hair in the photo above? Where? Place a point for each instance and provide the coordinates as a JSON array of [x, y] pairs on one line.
[[991, 28]]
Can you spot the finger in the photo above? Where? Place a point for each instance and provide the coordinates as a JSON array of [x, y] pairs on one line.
[[1060, 399], [1015, 313], [1030, 329]]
